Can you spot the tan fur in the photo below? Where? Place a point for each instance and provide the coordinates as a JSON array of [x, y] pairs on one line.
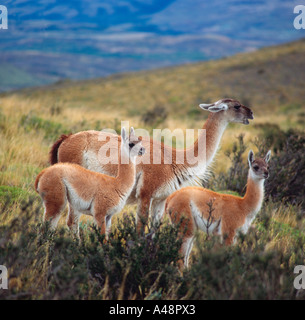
[[86, 191], [189, 208], [54, 150], [155, 182]]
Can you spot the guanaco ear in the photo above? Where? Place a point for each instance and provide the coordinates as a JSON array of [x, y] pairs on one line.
[[250, 157], [205, 106], [214, 107], [268, 156], [123, 134], [132, 133]]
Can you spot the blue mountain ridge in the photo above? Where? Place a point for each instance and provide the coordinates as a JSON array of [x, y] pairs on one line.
[[50, 40]]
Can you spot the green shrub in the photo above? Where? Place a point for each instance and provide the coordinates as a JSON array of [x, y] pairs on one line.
[[155, 116], [236, 177], [271, 137], [287, 167], [246, 270], [45, 264], [10, 194], [52, 129]]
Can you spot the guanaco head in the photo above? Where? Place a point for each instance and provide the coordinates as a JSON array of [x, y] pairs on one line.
[[233, 110], [259, 167], [132, 144]]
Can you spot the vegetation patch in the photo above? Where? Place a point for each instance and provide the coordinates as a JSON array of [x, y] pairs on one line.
[[52, 129], [10, 194]]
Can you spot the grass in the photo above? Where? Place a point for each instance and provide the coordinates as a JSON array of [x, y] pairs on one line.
[[12, 194], [260, 266]]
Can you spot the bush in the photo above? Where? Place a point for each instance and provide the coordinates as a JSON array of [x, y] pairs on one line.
[[239, 273], [9, 195], [271, 137], [155, 116], [45, 264], [236, 177], [249, 269], [52, 129], [287, 183], [287, 166]]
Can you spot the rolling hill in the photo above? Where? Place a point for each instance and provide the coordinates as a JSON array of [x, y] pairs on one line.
[[269, 80], [50, 40]]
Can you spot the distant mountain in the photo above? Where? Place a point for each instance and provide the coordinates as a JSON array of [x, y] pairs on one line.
[[48, 40]]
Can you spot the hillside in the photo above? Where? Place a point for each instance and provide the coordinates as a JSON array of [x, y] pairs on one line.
[[266, 80], [271, 81], [50, 40]]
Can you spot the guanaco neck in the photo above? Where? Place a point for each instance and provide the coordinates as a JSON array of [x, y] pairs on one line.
[[253, 199], [211, 135], [126, 172]]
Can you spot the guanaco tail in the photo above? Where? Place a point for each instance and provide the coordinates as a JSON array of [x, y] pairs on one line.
[[89, 192], [196, 208], [154, 182]]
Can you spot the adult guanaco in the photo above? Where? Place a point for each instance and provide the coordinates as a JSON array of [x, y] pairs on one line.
[[89, 192], [196, 208], [155, 182]]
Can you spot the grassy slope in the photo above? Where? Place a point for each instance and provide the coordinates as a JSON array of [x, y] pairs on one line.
[[265, 79], [270, 80]]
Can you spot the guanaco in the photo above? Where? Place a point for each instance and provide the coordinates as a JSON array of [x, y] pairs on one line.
[[155, 182], [89, 192], [196, 208]]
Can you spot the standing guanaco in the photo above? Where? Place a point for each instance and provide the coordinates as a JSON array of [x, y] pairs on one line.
[[196, 208], [89, 192], [155, 182]]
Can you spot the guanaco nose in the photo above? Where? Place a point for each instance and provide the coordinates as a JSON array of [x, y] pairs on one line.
[[266, 173], [250, 113]]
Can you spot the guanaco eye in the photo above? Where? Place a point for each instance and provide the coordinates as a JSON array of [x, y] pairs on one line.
[[131, 145], [236, 107], [255, 168]]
